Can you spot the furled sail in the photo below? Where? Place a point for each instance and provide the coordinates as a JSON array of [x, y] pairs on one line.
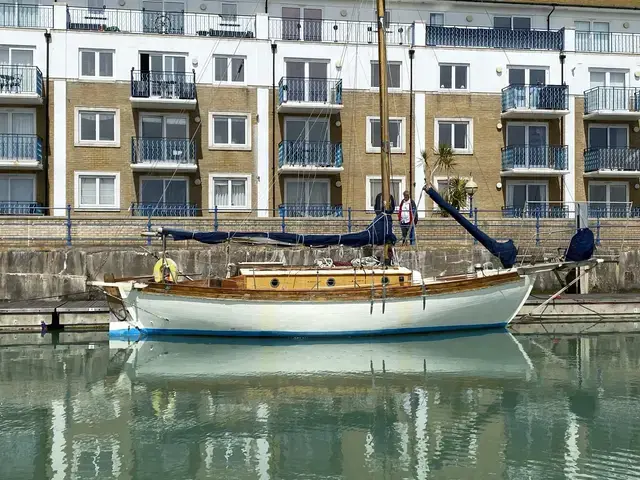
[[505, 251], [379, 232]]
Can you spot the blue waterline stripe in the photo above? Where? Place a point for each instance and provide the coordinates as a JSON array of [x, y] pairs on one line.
[[266, 333]]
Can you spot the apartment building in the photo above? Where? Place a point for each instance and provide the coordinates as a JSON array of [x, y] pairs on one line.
[[249, 109]]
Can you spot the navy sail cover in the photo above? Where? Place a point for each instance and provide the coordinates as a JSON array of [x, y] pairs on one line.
[[379, 232], [581, 247], [505, 251]]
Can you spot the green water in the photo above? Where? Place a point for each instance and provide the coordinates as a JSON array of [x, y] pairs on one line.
[[459, 407]]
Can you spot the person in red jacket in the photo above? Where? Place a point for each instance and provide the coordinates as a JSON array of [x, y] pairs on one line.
[[408, 217]]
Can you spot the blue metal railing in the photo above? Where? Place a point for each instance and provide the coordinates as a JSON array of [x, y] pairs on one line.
[[518, 39], [175, 85], [553, 157], [21, 208], [618, 158], [309, 154], [612, 210], [621, 99], [313, 90], [17, 147], [536, 211], [535, 97], [168, 150], [310, 210], [155, 209], [20, 79], [26, 16], [160, 22], [607, 42]]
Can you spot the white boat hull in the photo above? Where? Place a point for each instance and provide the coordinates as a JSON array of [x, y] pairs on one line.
[[154, 313]]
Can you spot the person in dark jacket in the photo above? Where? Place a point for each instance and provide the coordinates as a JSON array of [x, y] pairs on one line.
[[408, 217]]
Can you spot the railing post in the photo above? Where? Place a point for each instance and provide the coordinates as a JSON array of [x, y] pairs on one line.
[[475, 222], [282, 212], [215, 218], [537, 227], [149, 229], [68, 225], [598, 229], [349, 219]]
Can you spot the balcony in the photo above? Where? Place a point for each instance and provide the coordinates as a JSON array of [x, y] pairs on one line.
[[155, 209], [20, 85], [612, 162], [541, 210], [160, 22], [314, 210], [337, 31], [487, 37], [534, 160], [156, 154], [612, 210], [16, 15], [608, 42], [535, 101], [612, 103], [22, 152], [21, 208], [163, 90], [302, 156], [309, 95]]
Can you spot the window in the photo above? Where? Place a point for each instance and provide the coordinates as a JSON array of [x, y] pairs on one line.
[[387, 18], [97, 190], [374, 187], [608, 136], [229, 69], [592, 36], [517, 23], [15, 56], [230, 131], [396, 135], [95, 6], [454, 76], [230, 192], [307, 198], [17, 188], [229, 12], [97, 127], [436, 19], [524, 196], [527, 76], [96, 63], [393, 75], [609, 199], [442, 186], [455, 133], [17, 135], [164, 191]]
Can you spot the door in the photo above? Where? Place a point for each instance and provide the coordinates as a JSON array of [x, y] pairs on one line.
[[600, 37], [17, 194], [307, 198], [290, 23], [17, 136], [151, 142], [529, 144], [295, 81], [608, 200], [168, 195], [528, 199], [517, 82], [174, 73], [176, 143], [163, 17], [312, 27], [307, 142], [318, 84]]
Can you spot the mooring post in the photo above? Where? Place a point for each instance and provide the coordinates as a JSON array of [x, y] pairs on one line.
[[149, 229], [68, 225], [215, 218], [282, 212], [475, 222], [598, 228], [349, 219], [537, 227]]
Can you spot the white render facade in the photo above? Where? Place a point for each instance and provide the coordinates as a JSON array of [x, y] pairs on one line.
[[550, 144]]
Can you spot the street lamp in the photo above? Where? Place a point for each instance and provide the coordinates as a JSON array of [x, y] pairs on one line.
[[471, 188]]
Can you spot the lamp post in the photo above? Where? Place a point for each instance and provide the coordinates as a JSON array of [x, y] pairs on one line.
[[471, 188]]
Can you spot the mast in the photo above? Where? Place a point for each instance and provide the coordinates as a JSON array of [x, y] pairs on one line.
[[384, 109]]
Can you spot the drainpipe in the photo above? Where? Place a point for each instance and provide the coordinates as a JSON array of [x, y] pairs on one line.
[[549, 17], [411, 159], [45, 156], [563, 56], [266, 6], [274, 183]]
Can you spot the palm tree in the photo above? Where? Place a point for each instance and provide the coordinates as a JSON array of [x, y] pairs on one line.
[[446, 161], [456, 193]]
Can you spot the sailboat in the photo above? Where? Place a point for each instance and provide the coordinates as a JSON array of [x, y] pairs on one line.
[[263, 300]]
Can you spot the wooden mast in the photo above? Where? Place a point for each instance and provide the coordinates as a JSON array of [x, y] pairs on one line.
[[384, 109]]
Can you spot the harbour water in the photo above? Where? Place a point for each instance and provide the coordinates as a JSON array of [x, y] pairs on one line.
[[421, 407]]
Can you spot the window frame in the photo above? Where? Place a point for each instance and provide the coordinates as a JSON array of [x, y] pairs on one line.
[[230, 146], [511, 17], [608, 126], [11, 48], [11, 111], [608, 184], [432, 14], [403, 187], [389, 63], [403, 142], [456, 151], [607, 75], [96, 207], [96, 58], [438, 178], [229, 59], [225, 17], [526, 125], [230, 176], [509, 183], [454, 67], [527, 73], [78, 142], [21, 176], [164, 178]]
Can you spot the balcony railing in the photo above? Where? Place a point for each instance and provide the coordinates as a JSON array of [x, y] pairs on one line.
[[487, 37], [607, 42], [21, 208], [310, 90], [163, 150], [170, 85], [155, 209], [337, 31], [552, 157], [26, 16], [299, 153], [617, 158], [614, 99], [535, 97], [20, 79], [15, 147], [612, 210], [160, 22], [316, 210], [536, 211]]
